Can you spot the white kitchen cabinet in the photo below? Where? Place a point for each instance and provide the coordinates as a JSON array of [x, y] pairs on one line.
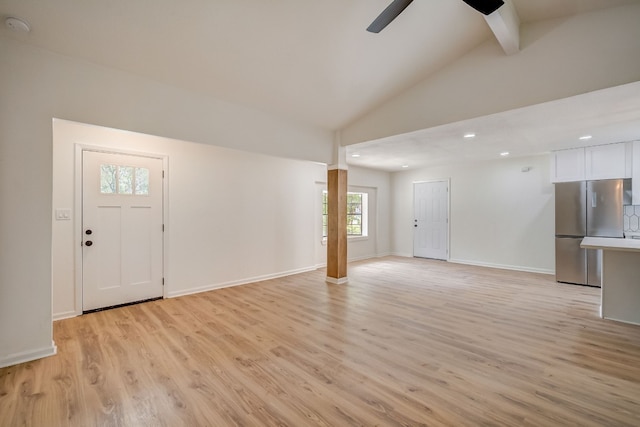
[[609, 161], [635, 175], [568, 165]]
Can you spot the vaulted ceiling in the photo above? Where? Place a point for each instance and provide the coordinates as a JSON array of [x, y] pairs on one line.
[[311, 61]]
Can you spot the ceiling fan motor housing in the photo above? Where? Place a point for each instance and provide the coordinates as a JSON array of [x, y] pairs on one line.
[[486, 7]]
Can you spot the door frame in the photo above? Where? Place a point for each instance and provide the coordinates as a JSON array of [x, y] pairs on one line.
[[77, 208], [413, 213]]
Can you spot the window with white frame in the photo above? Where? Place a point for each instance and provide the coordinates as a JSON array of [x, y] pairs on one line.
[[357, 214], [116, 179]]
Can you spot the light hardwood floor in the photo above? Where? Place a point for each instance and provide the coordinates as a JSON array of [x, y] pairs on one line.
[[407, 342]]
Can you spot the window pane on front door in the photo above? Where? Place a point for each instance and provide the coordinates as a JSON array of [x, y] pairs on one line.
[[125, 180], [108, 179], [142, 182]]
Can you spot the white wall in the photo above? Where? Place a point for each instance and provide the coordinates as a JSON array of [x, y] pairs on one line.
[[233, 216], [499, 216], [377, 184], [37, 85], [558, 59]]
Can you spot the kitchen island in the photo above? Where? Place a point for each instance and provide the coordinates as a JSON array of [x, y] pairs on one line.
[[620, 277]]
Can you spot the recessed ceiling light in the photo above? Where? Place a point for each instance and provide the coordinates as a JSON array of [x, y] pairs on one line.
[[504, 153], [470, 135], [405, 166], [355, 155], [585, 137]]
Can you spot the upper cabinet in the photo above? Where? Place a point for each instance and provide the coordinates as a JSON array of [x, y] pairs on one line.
[[635, 175], [567, 165], [610, 161]]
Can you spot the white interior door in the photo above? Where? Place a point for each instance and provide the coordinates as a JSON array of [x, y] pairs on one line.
[[122, 228], [431, 220]]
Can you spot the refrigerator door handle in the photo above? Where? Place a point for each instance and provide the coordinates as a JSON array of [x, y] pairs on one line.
[[594, 199]]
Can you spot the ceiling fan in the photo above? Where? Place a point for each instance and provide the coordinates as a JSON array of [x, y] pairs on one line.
[[396, 7]]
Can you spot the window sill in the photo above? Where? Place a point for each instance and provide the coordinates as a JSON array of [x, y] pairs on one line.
[[349, 239]]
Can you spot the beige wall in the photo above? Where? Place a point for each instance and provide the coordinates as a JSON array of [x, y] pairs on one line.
[[232, 216], [499, 216], [377, 184]]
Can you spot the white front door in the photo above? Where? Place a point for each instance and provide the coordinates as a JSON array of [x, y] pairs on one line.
[[431, 220], [122, 228]]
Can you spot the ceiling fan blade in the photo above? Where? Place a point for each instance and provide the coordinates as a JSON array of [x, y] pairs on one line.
[[388, 15], [486, 7]]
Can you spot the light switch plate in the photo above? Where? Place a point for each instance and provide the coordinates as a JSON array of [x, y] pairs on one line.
[[63, 214]]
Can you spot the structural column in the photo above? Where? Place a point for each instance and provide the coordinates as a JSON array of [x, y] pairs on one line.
[[337, 217]]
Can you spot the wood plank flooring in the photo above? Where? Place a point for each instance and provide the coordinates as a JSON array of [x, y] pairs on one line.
[[407, 342]]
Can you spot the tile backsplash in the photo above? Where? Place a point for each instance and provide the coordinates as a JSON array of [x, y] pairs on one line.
[[632, 218]]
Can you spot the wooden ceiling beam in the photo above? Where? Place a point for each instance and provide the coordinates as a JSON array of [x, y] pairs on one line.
[[505, 25]]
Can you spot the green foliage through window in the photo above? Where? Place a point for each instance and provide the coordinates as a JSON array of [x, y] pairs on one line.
[[355, 214], [116, 179], [325, 214]]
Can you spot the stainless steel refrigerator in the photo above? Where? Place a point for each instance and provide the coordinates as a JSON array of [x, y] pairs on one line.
[[587, 208]]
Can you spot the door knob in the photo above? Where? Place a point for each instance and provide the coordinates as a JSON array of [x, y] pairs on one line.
[[88, 232], [88, 243]]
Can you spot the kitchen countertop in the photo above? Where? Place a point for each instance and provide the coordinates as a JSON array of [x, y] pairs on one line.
[[620, 294], [611, 243]]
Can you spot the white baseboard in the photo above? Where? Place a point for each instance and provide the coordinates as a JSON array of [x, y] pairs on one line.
[[402, 254], [240, 282], [503, 266], [489, 264], [246, 281], [28, 356], [361, 258], [65, 315], [384, 254], [334, 281]]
